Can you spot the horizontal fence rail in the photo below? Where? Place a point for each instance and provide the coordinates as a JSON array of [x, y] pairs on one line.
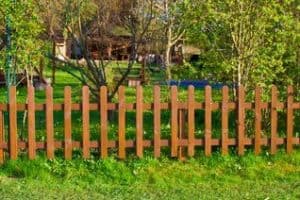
[[182, 138]]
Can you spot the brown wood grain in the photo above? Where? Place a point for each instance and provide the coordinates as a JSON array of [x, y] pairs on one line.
[[103, 123], [139, 121], [2, 138], [68, 123], [225, 120], [241, 120], [258, 120], [31, 123], [149, 143], [122, 121], [149, 106], [156, 121], [181, 133], [179, 126], [49, 122], [208, 120], [174, 121], [191, 121], [290, 120], [13, 134], [85, 122], [274, 118]]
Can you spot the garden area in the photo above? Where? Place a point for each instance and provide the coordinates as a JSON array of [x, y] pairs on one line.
[[135, 99], [216, 177]]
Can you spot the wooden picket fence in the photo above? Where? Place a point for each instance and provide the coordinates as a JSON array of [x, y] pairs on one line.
[[182, 135]]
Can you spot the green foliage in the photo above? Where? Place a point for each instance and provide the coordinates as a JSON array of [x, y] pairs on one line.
[[247, 42], [26, 28], [77, 12], [184, 72]]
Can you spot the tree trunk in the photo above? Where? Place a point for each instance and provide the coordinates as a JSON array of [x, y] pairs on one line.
[[41, 71], [53, 61], [168, 38], [239, 75], [168, 62]]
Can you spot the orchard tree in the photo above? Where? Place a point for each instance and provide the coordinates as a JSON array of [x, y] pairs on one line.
[[59, 17], [171, 18], [135, 16], [22, 46], [291, 58], [245, 42]]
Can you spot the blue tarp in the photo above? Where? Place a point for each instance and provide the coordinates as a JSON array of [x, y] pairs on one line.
[[199, 84]]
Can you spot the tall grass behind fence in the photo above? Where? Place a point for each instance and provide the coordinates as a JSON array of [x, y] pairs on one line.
[[181, 140]]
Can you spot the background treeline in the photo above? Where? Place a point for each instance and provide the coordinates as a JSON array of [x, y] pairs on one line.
[[249, 42]]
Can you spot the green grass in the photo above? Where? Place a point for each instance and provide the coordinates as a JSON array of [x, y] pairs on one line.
[[63, 79], [217, 177], [58, 89]]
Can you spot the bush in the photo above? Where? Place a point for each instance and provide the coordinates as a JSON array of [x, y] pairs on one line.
[[184, 72]]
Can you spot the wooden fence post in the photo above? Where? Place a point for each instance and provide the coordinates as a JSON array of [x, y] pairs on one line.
[[156, 121], [182, 123], [191, 121], [225, 121], [2, 138], [103, 125], [49, 122], [274, 118], [13, 134], [208, 120], [257, 145], [174, 122], [122, 121], [290, 120], [68, 123], [241, 120], [139, 121], [181, 132], [31, 123], [85, 122]]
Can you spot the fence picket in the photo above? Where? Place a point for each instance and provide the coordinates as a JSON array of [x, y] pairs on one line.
[[49, 122], [290, 120], [85, 122], [31, 123], [257, 145], [122, 125], [181, 133], [241, 120], [208, 120], [225, 121], [139, 121], [174, 122], [13, 134], [2, 138], [68, 123], [156, 121], [274, 118], [191, 121], [103, 125], [182, 122]]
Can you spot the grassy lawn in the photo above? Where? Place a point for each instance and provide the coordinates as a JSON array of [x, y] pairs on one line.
[[216, 177], [64, 79]]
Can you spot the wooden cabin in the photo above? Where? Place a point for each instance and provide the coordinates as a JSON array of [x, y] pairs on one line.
[[114, 45]]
